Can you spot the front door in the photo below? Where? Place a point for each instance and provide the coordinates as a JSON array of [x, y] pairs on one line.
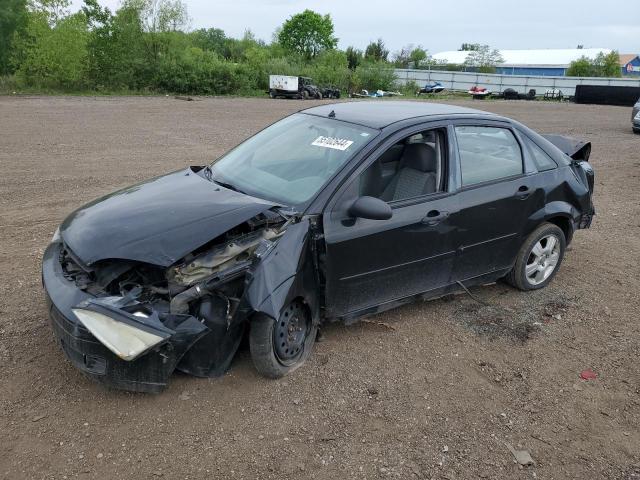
[[373, 262]]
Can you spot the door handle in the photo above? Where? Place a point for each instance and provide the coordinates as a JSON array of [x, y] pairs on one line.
[[523, 193], [434, 217]]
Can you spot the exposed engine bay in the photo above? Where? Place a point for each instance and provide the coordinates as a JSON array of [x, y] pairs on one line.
[[215, 269], [208, 284]]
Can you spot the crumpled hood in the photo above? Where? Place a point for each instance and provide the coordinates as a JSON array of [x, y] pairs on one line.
[[158, 221]]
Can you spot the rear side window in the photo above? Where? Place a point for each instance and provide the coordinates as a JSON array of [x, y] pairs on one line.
[[542, 160], [487, 153]]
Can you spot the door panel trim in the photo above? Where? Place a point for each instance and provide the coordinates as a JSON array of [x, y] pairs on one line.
[[371, 272], [495, 239]]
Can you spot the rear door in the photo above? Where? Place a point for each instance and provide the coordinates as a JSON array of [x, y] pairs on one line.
[[496, 197]]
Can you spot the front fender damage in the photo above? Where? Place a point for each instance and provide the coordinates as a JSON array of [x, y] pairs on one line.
[[199, 327], [283, 273]]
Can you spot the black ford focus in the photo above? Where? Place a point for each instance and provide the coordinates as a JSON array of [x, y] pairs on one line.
[[331, 214]]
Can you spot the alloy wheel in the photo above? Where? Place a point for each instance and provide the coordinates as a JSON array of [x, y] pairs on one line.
[[543, 259]]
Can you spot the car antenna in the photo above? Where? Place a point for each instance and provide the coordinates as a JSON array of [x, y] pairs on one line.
[[332, 114]]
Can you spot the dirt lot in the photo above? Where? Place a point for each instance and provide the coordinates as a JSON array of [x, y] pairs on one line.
[[435, 396]]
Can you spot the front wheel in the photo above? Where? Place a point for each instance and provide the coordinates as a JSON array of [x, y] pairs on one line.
[[539, 258], [279, 347]]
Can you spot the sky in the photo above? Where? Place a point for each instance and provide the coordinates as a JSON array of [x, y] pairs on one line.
[[437, 25]]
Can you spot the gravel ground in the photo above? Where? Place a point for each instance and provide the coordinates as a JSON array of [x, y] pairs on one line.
[[430, 390]]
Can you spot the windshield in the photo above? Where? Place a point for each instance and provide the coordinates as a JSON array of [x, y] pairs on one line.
[[292, 159]]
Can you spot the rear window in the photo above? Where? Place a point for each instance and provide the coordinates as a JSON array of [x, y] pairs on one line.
[[487, 153]]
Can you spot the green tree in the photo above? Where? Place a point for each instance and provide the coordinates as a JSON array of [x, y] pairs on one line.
[[13, 17], [469, 47], [484, 59], [410, 56], [376, 51], [354, 57], [52, 56], [160, 15], [53, 10], [308, 33], [118, 51], [608, 65], [581, 67], [418, 55], [209, 39], [603, 65]]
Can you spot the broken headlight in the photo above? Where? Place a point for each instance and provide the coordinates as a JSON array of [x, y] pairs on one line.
[[126, 341]]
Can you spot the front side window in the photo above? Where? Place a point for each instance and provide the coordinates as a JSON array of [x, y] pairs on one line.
[[411, 168], [487, 154], [292, 159]]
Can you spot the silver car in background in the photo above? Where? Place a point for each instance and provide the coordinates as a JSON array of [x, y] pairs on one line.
[[635, 117]]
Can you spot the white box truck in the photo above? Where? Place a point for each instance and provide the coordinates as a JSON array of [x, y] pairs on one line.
[[292, 87]]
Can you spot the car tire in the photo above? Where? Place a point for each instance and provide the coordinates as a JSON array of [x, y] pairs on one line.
[[636, 130], [275, 360], [538, 259], [305, 95]]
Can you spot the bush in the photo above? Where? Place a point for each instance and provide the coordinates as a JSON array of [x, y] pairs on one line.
[[374, 76], [7, 84], [330, 68], [55, 57], [199, 72]]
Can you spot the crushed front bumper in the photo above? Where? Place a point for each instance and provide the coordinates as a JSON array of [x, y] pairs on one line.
[[148, 373]]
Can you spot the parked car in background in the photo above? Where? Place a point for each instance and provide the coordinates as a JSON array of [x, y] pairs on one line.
[[635, 117], [331, 214], [285, 86]]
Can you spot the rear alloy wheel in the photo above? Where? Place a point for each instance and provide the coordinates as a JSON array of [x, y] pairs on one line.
[[279, 347], [539, 258]]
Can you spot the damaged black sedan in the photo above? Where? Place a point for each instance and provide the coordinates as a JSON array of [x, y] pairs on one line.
[[334, 213]]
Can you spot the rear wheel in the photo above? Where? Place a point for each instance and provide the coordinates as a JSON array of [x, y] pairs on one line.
[[279, 347], [305, 95], [539, 258]]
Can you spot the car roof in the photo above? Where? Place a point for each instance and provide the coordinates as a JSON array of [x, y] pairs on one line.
[[381, 113]]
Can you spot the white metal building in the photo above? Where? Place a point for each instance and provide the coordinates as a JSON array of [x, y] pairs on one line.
[[529, 62]]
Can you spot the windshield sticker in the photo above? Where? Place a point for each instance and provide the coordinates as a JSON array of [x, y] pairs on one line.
[[332, 142]]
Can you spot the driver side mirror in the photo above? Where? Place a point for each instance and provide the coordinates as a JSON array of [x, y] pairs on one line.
[[371, 208]]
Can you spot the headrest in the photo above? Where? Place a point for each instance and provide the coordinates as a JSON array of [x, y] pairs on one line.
[[420, 156]]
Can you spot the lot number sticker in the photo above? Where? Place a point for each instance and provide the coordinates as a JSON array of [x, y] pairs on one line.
[[332, 142]]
